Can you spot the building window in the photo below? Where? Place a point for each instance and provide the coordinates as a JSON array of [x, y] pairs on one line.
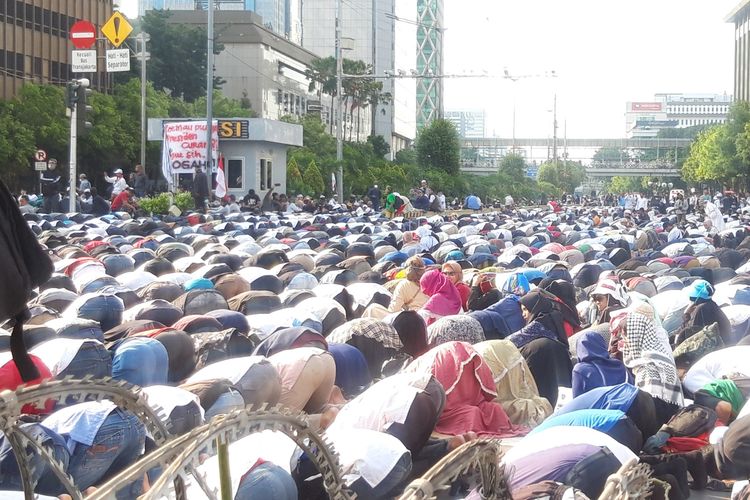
[[269, 174], [20, 65], [46, 21], [263, 167], [38, 67], [234, 173]]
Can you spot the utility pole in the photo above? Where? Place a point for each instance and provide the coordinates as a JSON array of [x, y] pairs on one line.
[[143, 56], [73, 158], [209, 93], [554, 130], [339, 101]]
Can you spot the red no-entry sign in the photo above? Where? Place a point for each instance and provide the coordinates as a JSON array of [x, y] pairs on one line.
[[83, 34]]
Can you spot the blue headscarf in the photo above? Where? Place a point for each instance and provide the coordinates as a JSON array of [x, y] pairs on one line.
[[352, 372]]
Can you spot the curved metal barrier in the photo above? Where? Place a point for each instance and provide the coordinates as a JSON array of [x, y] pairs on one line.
[[182, 453], [481, 456], [68, 391], [632, 481]]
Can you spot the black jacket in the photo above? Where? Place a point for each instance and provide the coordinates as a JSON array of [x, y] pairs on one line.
[[200, 185], [25, 266]]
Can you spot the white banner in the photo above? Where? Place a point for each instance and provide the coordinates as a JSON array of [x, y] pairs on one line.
[[118, 60], [84, 61], [185, 147]]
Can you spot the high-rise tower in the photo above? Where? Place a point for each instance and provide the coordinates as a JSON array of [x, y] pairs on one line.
[[429, 61]]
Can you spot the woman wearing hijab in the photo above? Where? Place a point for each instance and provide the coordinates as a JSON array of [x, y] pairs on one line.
[[595, 368], [516, 389], [412, 331], [471, 404], [377, 341], [646, 352], [352, 373], [458, 328], [452, 270], [444, 299], [408, 296], [608, 296], [542, 321], [702, 312]]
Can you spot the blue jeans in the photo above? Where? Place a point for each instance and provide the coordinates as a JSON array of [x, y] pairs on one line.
[[267, 481], [106, 309], [117, 445], [91, 359], [387, 487]]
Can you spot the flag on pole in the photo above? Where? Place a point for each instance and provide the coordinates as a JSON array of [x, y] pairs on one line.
[[221, 181], [333, 182]]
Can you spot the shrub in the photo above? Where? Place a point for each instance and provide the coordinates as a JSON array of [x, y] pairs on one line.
[[184, 201], [158, 205]]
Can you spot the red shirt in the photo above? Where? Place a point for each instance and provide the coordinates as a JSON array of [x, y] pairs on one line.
[[121, 198]]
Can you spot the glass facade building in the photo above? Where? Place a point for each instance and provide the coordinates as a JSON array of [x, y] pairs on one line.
[[429, 61]]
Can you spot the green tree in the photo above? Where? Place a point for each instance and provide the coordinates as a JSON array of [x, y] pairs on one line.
[[611, 155], [223, 107], [439, 147], [313, 179], [379, 145], [294, 182], [708, 159], [178, 56], [513, 165], [565, 174], [17, 145]]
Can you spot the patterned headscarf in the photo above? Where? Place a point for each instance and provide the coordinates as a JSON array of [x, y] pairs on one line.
[[455, 328], [648, 355], [381, 332]]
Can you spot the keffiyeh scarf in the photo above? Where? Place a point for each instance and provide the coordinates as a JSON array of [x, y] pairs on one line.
[[649, 357]]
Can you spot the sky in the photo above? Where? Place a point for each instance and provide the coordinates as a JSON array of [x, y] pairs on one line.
[[605, 53]]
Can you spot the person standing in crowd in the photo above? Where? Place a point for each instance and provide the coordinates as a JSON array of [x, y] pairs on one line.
[[374, 194], [200, 189], [83, 183], [50, 180], [119, 184], [140, 183]]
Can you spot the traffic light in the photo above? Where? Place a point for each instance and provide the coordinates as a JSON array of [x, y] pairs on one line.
[[71, 97], [83, 94]]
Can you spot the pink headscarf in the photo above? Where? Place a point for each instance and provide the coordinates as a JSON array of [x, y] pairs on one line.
[[444, 297], [470, 403]]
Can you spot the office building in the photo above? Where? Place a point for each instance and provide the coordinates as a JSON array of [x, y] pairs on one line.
[[382, 34], [669, 111], [36, 44], [259, 66], [469, 123], [740, 17], [429, 61]]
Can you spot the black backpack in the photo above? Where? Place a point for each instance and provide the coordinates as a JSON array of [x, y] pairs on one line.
[[691, 421]]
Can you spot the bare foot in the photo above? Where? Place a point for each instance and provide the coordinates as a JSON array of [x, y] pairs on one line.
[[328, 416], [454, 442], [336, 397]]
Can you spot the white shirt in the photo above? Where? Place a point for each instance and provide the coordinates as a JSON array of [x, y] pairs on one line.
[[167, 398], [232, 369], [368, 454], [118, 185], [717, 364], [674, 234], [57, 353]]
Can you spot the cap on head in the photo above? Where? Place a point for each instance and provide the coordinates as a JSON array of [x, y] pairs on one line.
[[118, 171]]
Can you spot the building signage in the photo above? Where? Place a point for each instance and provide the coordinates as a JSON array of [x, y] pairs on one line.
[[84, 61], [234, 129], [118, 60], [185, 146], [645, 106]]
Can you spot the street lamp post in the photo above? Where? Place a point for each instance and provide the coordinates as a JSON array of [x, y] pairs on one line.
[[210, 93], [339, 101]]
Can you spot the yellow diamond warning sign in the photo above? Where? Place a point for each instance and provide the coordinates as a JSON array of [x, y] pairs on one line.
[[117, 29]]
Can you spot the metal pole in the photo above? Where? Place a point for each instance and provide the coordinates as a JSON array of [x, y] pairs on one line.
[[209, 93], [225, 477], [143, 38], [554, 130], [339, 101], [73, 157]]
